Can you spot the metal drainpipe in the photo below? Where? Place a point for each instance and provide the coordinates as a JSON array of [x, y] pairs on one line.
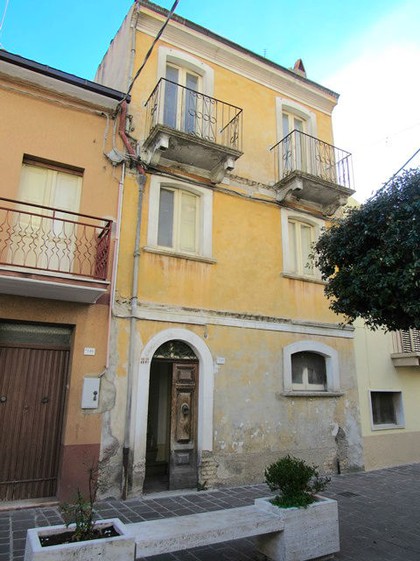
[[141, 179], [115, 260]]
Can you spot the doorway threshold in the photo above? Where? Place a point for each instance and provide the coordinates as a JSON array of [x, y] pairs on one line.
[[28, 503], [169, 494]]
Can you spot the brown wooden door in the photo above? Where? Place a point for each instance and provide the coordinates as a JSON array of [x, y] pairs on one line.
[[32, 392], [183, 446]]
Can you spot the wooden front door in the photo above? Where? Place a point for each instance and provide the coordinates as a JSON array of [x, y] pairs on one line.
[[32, 392], [183, 433]]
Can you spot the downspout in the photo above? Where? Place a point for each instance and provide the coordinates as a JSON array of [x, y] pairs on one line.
[[115, 260], [141, 180]]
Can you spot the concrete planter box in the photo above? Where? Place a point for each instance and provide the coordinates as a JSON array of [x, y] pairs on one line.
[[106, 549], [309, 533]]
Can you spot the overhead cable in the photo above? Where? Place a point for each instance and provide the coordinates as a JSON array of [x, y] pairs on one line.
[[402, 167], [3, 18], [149, 52]]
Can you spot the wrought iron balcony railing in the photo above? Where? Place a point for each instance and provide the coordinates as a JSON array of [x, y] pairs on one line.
[[301, 152], [407, 341], [186, 110], [47, 239]]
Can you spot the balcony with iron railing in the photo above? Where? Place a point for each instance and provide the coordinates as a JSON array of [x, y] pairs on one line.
[[406, 348], [187, 127], [51, 253], [313, 171]]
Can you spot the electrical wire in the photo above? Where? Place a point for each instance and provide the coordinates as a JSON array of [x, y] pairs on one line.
[[402, 167], [149, 52], [3, 17]]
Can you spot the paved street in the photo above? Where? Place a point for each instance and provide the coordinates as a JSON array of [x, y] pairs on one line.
[[379, 518]]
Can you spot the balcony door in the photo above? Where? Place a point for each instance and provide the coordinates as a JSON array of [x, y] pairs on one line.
[[294, 153], [183, 107], [45, 238]]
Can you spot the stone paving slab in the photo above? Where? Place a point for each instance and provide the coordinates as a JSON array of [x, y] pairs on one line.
[[379, 513]]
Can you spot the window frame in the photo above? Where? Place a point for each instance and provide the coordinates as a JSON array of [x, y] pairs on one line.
[[300, 218], [300, 268], [177, 112], [332, 386], [185, 63], [295, 110], [309, 125], [306, 385], [204, 219], [177, 219], [51, 174], [44, 232], [398, 410], [173, 57]]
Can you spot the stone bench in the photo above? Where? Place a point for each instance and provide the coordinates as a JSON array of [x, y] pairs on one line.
[[282, 534], [166, 535]]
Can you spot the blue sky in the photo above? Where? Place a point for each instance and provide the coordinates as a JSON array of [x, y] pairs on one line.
[[368, 51], [73, 36]]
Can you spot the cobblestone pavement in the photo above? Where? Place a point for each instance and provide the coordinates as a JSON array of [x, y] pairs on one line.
[[379, 514]]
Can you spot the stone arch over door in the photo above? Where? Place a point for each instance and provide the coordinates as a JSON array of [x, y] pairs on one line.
[[205, 391]]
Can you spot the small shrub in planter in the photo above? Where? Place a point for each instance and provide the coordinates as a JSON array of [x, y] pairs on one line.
[[79, 516], [81, 537], [79, 520], [297, 481]]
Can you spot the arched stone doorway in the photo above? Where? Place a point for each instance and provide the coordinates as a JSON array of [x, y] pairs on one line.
[[171, 442], [141, 391]]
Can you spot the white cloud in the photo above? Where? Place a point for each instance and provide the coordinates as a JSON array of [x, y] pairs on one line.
[[378, 115]]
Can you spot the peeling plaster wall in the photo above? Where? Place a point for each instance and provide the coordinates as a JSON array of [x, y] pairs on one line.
[[113, 406], [254, 423]]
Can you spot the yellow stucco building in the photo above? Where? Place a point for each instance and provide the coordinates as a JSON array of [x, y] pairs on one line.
[[58, 209], [160, 314], [224, 352]]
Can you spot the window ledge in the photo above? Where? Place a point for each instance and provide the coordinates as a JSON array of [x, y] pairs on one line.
[[171, 253], [303, 278], [296, 393], [387, 427], [406, 359]]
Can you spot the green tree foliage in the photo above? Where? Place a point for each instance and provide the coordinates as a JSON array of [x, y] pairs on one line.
[[370, 259]]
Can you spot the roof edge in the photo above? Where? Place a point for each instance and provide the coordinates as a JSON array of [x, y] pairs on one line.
[[61, 76], [196, 27]]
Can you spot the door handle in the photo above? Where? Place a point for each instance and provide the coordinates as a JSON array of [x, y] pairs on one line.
[[45, 400], [185, 408], [3, 399]]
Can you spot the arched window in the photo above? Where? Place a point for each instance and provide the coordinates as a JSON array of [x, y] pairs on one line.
[[310, 367], [308, 371]]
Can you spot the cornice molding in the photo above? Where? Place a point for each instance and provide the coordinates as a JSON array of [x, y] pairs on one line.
[[268, 74], [174, 314]]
